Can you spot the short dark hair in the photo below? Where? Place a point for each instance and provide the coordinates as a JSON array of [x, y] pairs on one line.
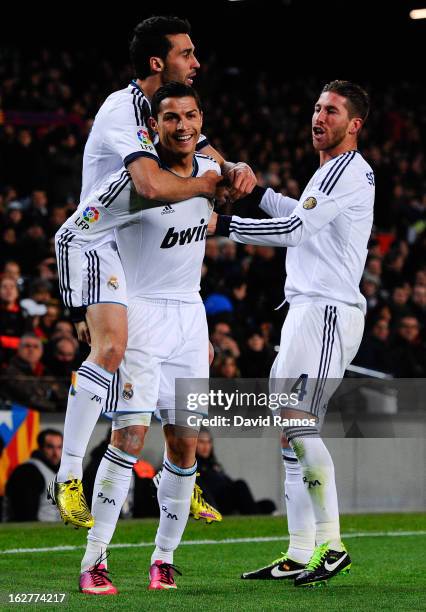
[[150, 40], [173, 89], [41, 438], [358, 99]]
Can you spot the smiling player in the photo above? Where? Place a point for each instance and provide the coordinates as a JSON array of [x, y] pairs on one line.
[[119, 150]]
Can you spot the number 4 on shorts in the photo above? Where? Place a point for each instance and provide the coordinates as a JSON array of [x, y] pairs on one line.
[[299, 387]]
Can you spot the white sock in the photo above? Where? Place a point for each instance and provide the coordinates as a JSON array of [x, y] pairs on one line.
[[174, 498], [94, 551], [109, 494], [300, 515], [318, 476], [87, 395]]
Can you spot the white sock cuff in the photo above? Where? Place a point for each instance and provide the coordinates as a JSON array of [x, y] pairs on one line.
[[93, 378], [119, 457], [178, 471], [289, 455]]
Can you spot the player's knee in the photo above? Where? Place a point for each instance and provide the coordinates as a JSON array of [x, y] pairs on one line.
[[129, 439], [112, 353]]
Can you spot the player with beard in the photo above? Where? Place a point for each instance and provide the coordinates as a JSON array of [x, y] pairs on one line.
[[119, 150], [326, 233]]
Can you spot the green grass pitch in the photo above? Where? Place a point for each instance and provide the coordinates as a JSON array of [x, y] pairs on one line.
[[388, 571]]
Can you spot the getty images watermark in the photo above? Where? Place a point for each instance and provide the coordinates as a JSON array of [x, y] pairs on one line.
[[226, 401]]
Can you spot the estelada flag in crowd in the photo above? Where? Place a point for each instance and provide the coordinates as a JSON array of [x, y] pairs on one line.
[[19, 428]]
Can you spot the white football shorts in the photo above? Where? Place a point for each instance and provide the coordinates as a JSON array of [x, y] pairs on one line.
[[168, 339], [104, 280], [318, 342]]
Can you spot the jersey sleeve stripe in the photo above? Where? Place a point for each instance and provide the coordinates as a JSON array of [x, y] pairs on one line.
[[139, 106], [108, 192], [271, 230], [117, 190], [347, 162], [265, 232], [278, 225], [143, 106], [135, 107], [146, 111]]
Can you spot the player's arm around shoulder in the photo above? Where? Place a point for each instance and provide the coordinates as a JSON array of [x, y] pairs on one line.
[[153, 183], [126, 134]]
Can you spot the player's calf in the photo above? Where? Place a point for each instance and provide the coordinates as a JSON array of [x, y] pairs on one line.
[[174, 494], [181, 445]]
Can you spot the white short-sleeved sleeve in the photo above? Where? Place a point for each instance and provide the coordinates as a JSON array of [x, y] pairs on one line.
[[126, 132]]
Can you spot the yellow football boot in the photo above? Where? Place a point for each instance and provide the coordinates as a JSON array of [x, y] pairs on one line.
[[72, 505], [201, 509]]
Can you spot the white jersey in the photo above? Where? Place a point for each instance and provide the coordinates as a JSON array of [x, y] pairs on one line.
[[162, 250], [329, 227], [120, 134], [117, 204]]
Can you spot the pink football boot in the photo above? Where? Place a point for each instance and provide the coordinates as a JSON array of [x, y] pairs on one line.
[[161, 576], [95, 581]]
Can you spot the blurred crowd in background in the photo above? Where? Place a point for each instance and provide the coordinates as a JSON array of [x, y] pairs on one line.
[[47, 106]]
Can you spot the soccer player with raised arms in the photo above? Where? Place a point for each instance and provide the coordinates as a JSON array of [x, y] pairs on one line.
[[92, 282], [327, 232]]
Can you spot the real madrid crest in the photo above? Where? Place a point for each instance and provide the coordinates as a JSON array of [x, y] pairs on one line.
[[113, 283], [127, 391], [309, 203]]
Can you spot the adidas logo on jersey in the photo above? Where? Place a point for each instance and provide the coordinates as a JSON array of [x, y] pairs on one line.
[[167, 210], [192, 234]]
